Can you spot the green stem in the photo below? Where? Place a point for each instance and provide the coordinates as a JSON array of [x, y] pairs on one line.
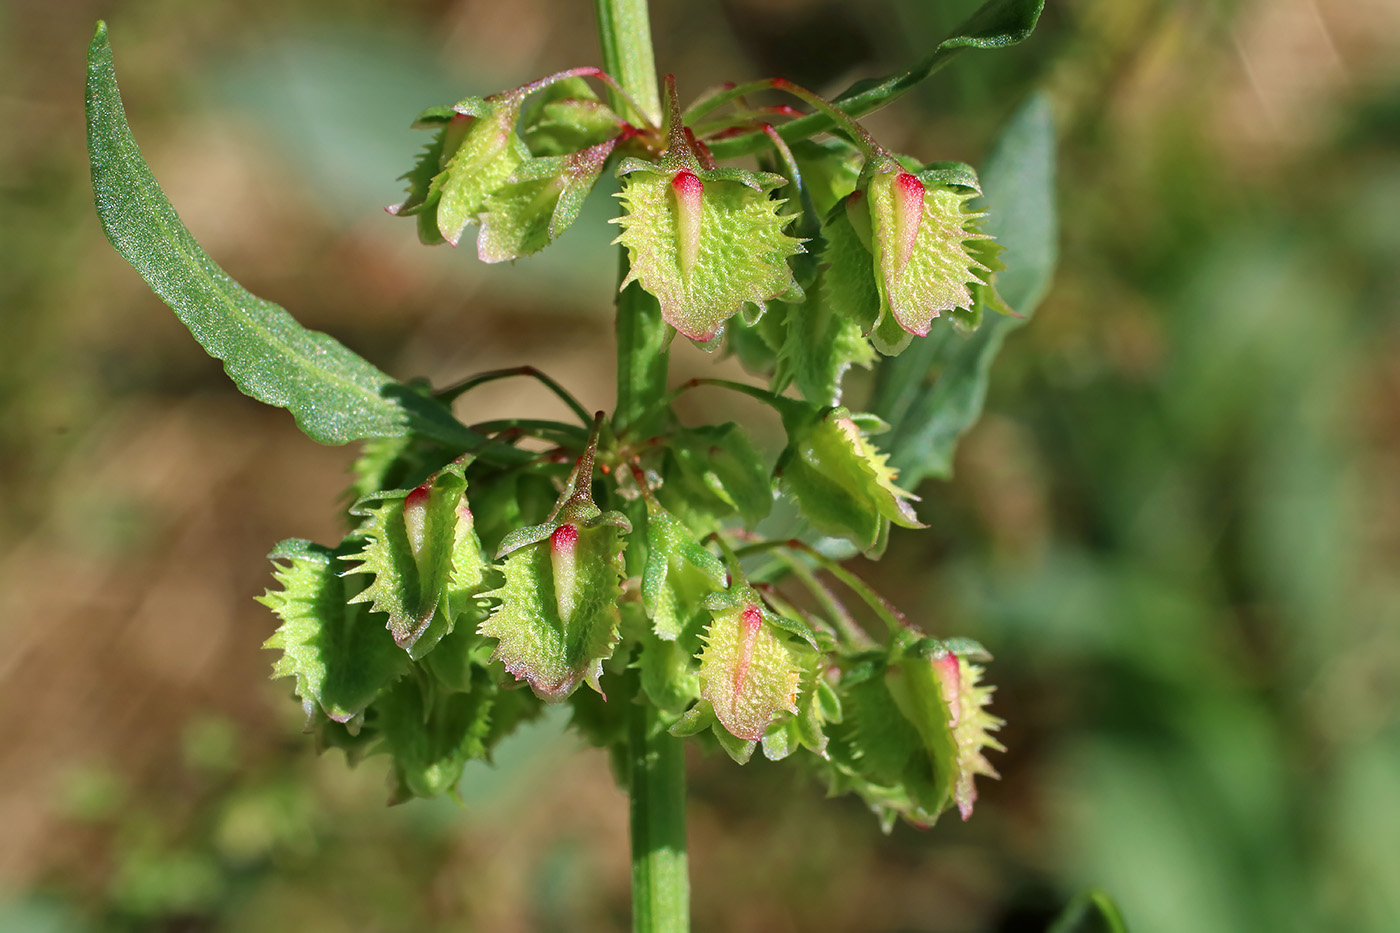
[[556, 432], [656, 783], [624, 31], [655, 759], [452, 393], [643, 359], [883, 609]]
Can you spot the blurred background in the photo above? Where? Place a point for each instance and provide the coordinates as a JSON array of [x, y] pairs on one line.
[[1177, 526]]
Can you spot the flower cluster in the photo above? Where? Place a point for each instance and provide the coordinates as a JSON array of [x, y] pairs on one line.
[[870, 261]]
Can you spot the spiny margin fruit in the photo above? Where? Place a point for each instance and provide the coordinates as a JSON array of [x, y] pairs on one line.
[[557, 620], [917, 257], [913, 731], [421, 550], [842, 484]]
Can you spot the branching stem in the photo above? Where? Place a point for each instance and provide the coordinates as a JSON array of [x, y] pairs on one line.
[[452, 393]]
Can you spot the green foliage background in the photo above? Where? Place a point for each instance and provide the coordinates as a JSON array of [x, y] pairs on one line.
[[1176, 527]]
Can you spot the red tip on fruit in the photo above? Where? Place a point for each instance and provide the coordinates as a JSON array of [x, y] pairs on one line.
[[690, 192], [687, 185], [564, 538], [950, 679], [752, 622], [908, 216]]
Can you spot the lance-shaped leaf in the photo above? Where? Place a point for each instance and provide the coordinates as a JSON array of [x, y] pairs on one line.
[[994, 25], [423, 554], [488, 155], [431, 734], [840, 481], [1091, 911], [340, 656], [538, 203], [558, 617], [704, 241], [747, 674], [335, 395]]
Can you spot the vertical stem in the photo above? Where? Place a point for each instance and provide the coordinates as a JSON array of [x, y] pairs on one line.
[[624, 31], [656, 782], [655, 759], [642, 359]]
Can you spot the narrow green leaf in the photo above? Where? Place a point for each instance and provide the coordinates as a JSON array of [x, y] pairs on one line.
[[935, 391], [335, 395], [996, 24]]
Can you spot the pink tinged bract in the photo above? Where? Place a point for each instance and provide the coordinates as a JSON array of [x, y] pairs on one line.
[[689, 191], [563, 555], [908, 194], [970, 723], [746, 673]]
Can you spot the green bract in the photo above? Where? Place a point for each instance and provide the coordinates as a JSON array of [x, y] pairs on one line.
[[558, 618], [704, 241], [918, 233], [489, 153], [339, 654], [839, 479], [538, 203], [713, 473], [525, 190], [746, 673], [423, 554]]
